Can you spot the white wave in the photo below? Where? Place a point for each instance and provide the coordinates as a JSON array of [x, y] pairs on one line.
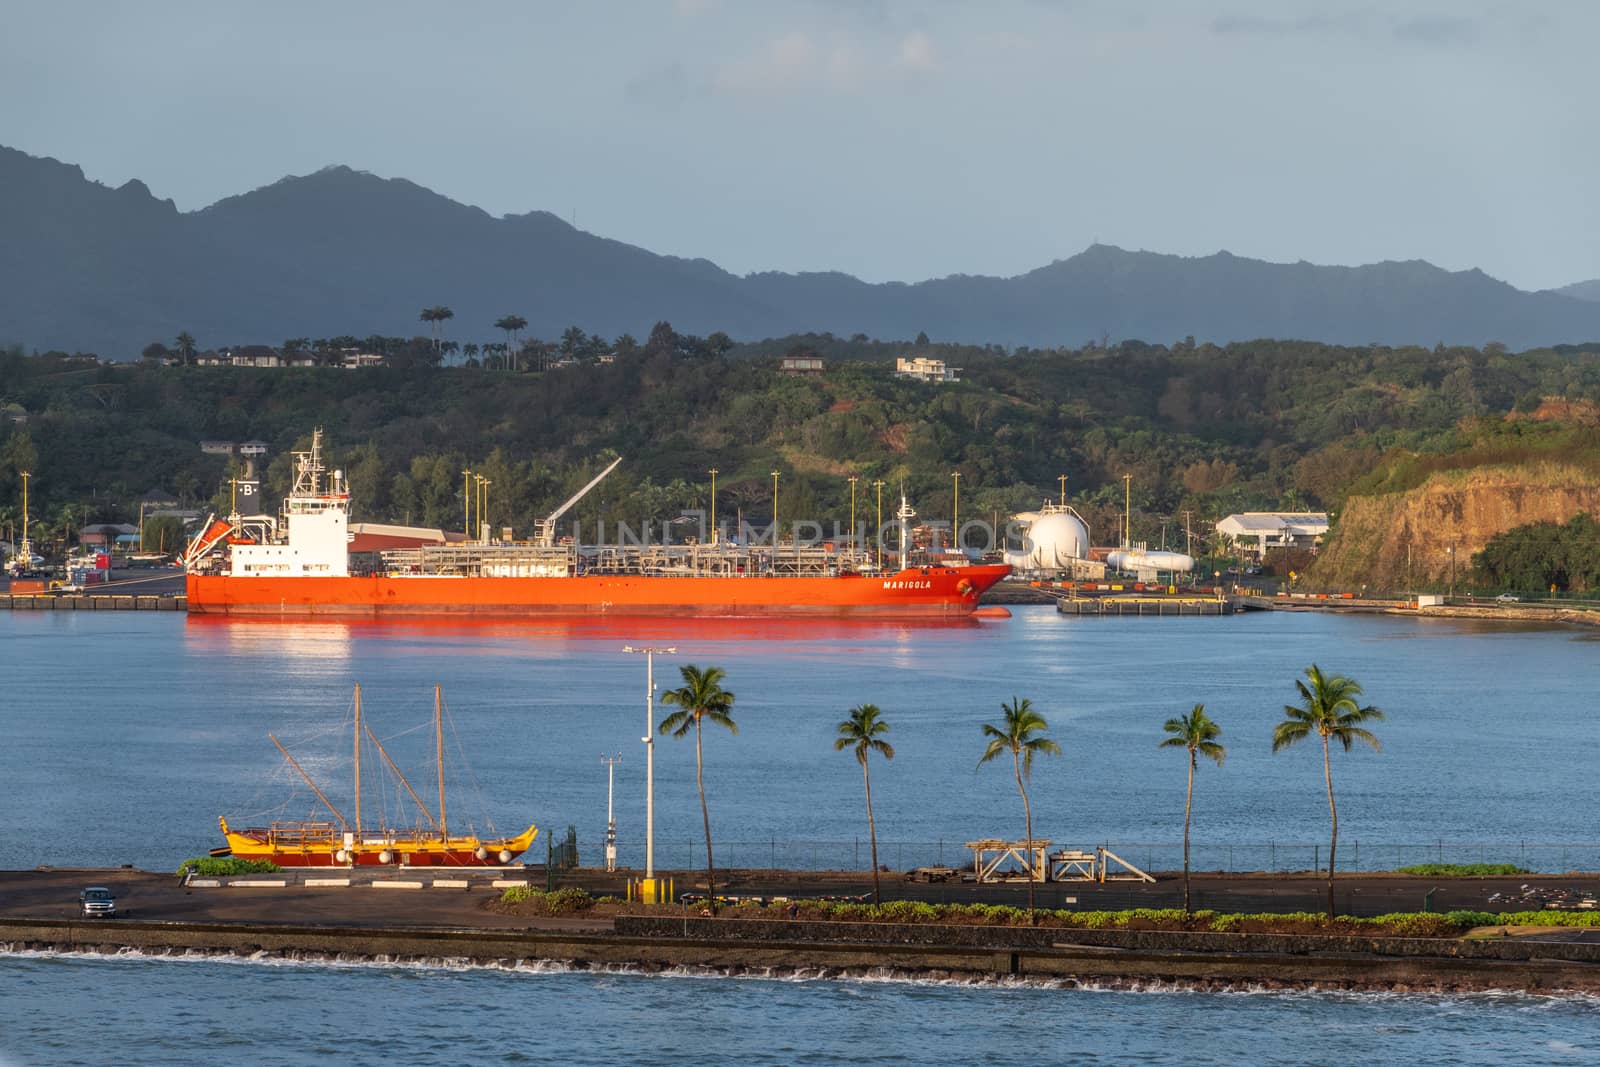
[[809, 975]]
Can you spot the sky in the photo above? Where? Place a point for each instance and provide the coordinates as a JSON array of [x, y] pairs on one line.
[[886, 139]]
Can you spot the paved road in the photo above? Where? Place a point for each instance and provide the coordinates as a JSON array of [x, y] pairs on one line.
[[53, 893]]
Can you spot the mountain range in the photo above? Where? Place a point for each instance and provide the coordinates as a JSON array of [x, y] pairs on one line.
[[92, 268]]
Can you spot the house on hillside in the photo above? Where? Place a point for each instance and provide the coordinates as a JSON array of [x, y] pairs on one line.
[[217, 448], [109, 535], [157, 500], [809, 363], [923, 369]]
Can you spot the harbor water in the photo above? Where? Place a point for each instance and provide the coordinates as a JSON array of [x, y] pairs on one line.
[[126, 734], [74, 1010], [129, 733]]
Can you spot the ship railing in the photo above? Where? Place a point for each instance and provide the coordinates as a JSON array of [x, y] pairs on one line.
[[293, 832]]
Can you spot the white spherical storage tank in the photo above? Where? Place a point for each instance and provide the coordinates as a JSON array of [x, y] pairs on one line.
[[1052, 542]]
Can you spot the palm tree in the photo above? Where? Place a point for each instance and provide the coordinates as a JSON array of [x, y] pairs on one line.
[[862, 731], [700, 697], [186, 347], [510, 324], [1328, 706], [1021, 735], [1197, 733]]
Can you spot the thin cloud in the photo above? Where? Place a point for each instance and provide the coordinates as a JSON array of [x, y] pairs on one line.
[[1436, 29], [798, 62], [1271, 26], [1419, 29], [917, 53]]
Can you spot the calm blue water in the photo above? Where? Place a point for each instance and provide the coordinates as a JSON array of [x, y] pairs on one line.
[[73, 1010], [125, 735]]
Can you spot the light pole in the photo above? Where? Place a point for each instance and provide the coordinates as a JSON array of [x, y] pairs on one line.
[[713, 473], [650, 758], [775, 535], [611, 818], [1127, 511], [878, 535], [1062, 478], [955, 511], [1451, 552], [466, 503], [853, 545], [477, 494], [25, 546]]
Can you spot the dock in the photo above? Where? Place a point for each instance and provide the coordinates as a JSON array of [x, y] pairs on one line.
[[92, 602], [1145, 605]]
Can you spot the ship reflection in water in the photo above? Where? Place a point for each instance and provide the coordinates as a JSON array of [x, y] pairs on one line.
[[323, 639]]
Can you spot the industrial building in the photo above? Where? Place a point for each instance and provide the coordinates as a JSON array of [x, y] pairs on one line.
[[1260, 530]]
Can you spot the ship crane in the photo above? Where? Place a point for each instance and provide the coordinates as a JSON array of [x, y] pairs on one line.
[[545, 528]]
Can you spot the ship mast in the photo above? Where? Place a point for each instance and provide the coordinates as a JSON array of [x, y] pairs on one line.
[[438, 741], [905, 515], [357, 736]]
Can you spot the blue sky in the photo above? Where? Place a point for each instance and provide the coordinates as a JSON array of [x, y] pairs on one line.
[[892, 140]]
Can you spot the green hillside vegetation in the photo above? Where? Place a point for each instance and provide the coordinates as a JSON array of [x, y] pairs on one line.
[[1543, 555], [1202, 429]]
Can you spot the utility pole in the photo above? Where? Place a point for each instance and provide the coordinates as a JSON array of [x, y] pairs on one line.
[[651, 895], [1451, 552], [611, 818], [1188, 535], [1063, 480]]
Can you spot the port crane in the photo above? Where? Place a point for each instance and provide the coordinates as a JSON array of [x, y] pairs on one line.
[[545, 529]]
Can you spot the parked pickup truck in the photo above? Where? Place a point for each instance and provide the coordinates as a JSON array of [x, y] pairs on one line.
[[96, 902]]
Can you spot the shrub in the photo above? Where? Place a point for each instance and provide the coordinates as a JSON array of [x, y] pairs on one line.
[[212, 867], [1462, 870], [518, 894], [567, 901]]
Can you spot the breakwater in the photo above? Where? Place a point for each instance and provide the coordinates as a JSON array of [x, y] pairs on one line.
[[738, 946]]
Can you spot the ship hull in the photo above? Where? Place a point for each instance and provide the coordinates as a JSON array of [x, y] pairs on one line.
[[328, 850], [919, 592]]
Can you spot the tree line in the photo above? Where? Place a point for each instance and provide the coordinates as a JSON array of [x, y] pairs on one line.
[[1202, 430], [1330, 709]]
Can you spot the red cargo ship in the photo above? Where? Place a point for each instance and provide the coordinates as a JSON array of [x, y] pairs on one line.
[[298, 563]]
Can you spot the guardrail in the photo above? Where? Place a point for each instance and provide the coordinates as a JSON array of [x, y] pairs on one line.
[[1243, 857]]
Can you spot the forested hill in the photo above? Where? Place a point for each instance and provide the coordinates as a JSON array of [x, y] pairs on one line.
[[339, 252], [1201, 430]]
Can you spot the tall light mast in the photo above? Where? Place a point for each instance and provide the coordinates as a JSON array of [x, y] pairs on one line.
[[611, 817]]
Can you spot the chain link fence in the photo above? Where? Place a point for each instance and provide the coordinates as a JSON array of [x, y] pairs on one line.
[[1271, 856]]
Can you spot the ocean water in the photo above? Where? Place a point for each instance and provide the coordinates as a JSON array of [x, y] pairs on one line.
[[125, 735], [130, 1010]]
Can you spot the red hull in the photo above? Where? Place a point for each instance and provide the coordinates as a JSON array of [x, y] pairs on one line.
[[917, 592], [418, 860]]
